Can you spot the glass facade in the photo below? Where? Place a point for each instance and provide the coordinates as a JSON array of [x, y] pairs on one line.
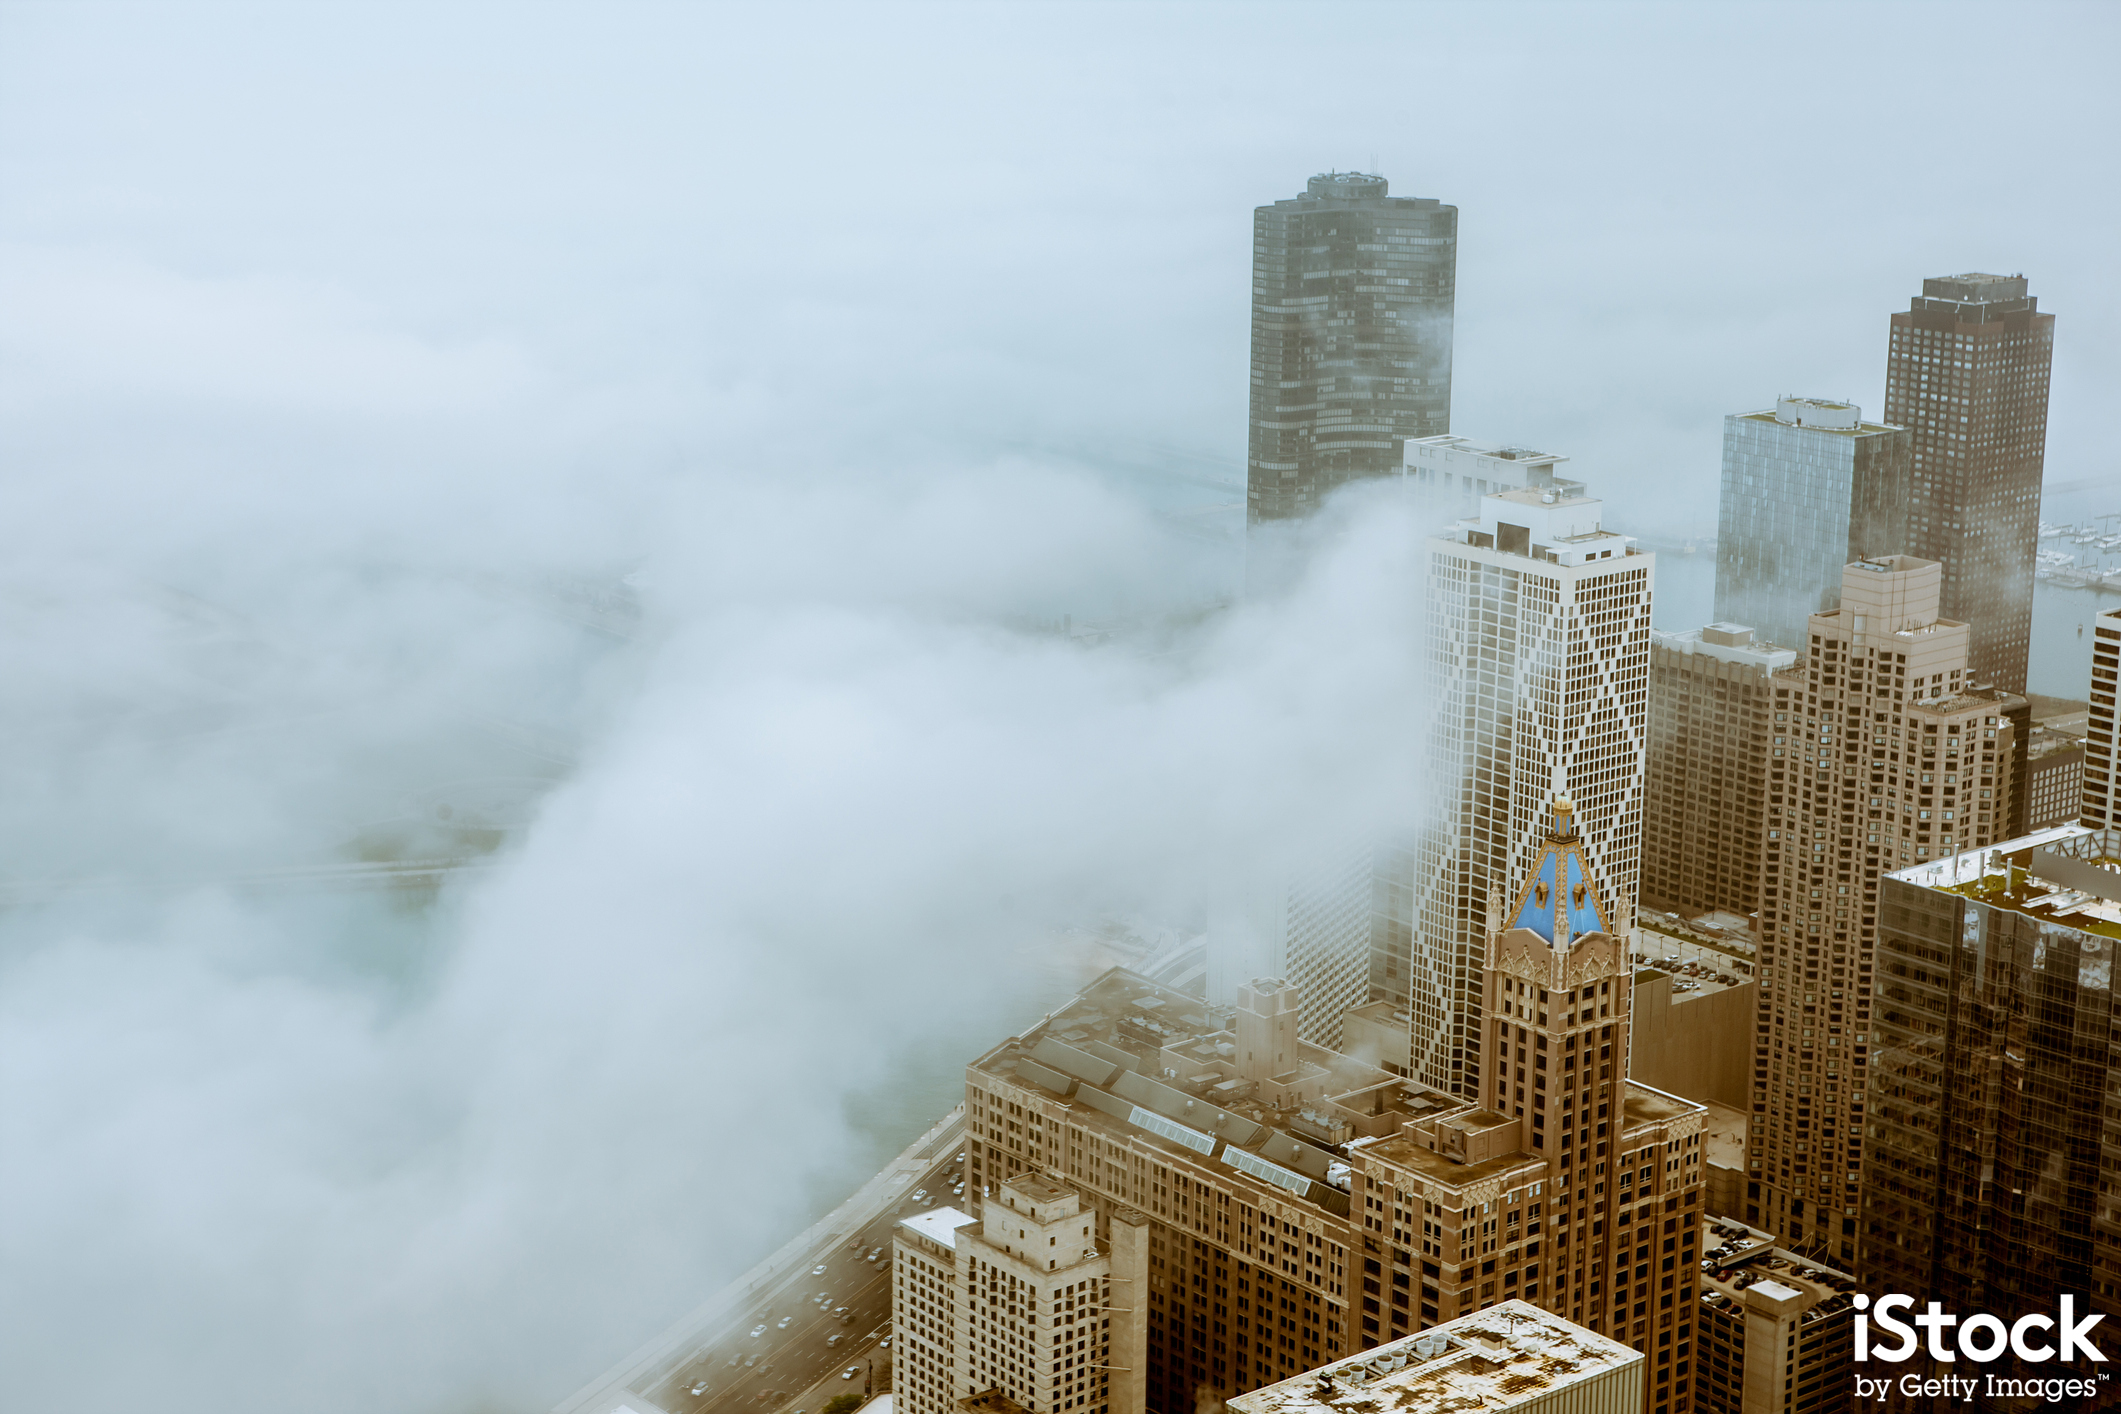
[[1996, 1071], [1797, 503], [1352, 298]]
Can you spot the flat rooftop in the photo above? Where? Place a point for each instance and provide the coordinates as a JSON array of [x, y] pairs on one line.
[[1508, 1354], [939, 1226], [1861, 429], [2065, 875]]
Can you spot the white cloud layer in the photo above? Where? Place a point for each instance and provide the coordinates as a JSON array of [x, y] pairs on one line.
[[337, 343]]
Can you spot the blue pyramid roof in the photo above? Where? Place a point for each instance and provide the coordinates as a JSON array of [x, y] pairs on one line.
[[1559, 901]]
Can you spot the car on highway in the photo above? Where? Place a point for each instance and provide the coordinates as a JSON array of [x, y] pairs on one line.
[[757, 1331], [700, 1388], [735, 1360], [750, 1360], [920, 1195], [874, 1253], [835, 1338], [784, 1323], [818, 1270], [850, 1372]]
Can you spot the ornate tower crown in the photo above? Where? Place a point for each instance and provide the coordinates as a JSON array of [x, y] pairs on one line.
[[1559, 902]]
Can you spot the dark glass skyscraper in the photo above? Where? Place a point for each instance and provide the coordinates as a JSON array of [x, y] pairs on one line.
[[1967, 375], [1995, 1059], [1352, 293]]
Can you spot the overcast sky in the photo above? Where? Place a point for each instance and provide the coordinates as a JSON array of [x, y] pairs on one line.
[[320, 322]]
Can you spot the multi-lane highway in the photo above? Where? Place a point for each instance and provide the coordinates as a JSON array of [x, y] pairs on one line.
[[833, 1319]]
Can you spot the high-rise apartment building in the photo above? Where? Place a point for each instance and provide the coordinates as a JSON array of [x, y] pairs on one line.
[[1538, 661], [1992, 1182], [1025, 1304], [1352, 294], [1807, 487], [2102, 782], [1967, 375], [1508, 1357], [1776, 1333], [1302, 1205], [2054, 780], [1883, 753], [1703, 833]]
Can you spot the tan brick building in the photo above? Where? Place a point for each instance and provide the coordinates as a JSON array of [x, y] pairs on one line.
[[1301, 1205], [1885, 752]]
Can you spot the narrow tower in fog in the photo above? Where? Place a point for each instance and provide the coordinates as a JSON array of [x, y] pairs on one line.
[[1967, 375], [1352, 294]]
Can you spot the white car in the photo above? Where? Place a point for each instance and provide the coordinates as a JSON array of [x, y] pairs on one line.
[[784, 1323], [835, 1338], [851, 1372], [818, 1270], [757, 1331]]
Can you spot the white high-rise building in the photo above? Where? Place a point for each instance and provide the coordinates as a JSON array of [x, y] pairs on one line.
[[1539, 651]]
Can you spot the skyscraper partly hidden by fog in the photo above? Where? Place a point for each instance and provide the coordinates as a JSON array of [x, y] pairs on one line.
[[1807, 488], [1352, 293], [1967, 375], [1539, 653]]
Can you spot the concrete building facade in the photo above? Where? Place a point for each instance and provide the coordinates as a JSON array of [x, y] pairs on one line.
[[1703, 838], [1967, 374], [1352, 298], [1538, 663], [1018, 1304], [1776, 1329], [1698, 1042], [1807, 487], [1883, 754], [2101, 807], [2054, 780]]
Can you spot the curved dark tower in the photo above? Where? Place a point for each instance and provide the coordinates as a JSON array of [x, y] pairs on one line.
[[1352, 293]]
